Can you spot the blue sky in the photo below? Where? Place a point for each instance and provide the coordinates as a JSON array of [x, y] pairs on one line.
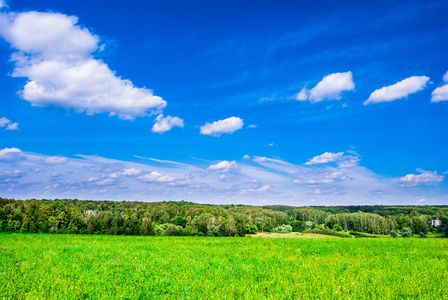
[[285, 102]]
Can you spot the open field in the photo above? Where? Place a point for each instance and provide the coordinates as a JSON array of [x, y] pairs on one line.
[[44, 266]]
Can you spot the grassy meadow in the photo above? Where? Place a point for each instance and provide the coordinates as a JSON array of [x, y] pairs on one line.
[[45, 266]]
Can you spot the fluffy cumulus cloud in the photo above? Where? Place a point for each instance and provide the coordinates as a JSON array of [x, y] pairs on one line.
[[398, 90], [55, 160], [157, 177], [165, 124], [327, 157], [441, 93], [8, 124], [56, 56], [425, 177], [11, 154], [224, 167], [330, 88], [229, 125]]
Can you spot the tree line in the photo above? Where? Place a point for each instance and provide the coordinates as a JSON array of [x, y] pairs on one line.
[[72, 216]]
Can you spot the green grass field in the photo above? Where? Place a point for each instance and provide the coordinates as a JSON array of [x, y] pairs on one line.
[[42, 266]]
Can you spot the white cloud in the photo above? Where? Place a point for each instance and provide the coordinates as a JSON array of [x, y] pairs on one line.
[[303, 94], [349, 161], [325, 158], [4, 122], [105, 182], [13, 126], [164, 124], [270, 145], [398, 90], [327, 191], [252, 126], [330, 88], [88, 177], [426, 177], [441, 93], [11, 174], [229, 125], [224, 166], [11, 154], [325, 177], [246, 157], [131, 172], [55, 55], [263, 189], [3, 4], [55, 160], [157, 177], [260, 159]]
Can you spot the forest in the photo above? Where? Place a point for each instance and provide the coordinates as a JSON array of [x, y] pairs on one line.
[[72, 216]]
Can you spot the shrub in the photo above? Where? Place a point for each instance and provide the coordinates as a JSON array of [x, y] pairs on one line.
[[422, 235], [406, 232], [362, 234], [298, 226], [173, 230], [251, 229], [283, 229], [213, 231], [393, 234], [337, 227], [328, 232], [189, 230]]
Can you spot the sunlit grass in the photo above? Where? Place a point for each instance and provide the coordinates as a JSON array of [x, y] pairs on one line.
[[39, 266]]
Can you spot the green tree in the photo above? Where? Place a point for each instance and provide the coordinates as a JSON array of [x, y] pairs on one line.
[[147, 227]]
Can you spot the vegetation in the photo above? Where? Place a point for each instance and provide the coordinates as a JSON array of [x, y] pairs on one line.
[[190, 219], [49, 266]]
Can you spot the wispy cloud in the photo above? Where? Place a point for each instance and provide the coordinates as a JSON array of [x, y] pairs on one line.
[[55, 160], [8, 124], [244, 181]]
